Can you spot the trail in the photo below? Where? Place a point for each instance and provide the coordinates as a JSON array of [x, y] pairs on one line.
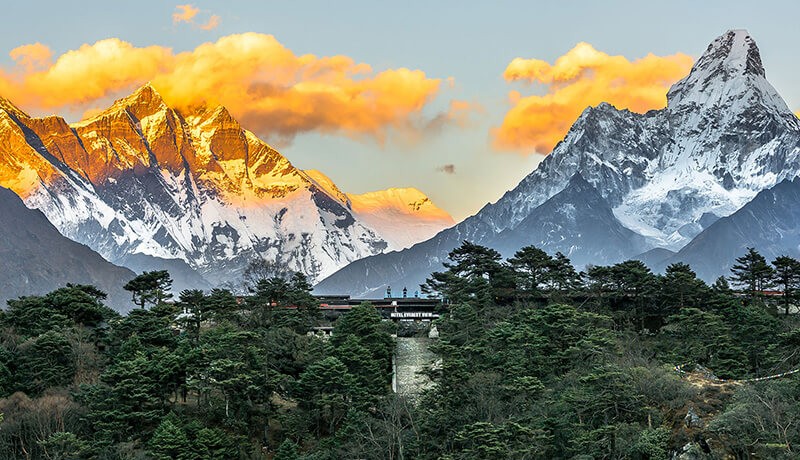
[[680, 370]]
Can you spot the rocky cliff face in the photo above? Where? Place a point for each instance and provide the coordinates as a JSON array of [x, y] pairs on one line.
[[144, 178], [667, 174]]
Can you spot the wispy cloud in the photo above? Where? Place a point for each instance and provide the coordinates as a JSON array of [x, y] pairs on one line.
[[32, 57], [212, 23], [582, 77], [184, 13], [191, 14]]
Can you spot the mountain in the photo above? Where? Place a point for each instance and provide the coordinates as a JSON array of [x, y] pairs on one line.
[[402, 216], [578, 222], [655, 257], [183, 276], [35, 258], [724, 136], [146, 184], [770, 223]]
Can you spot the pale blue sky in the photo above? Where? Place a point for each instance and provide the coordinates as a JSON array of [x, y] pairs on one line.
[[469, 41]]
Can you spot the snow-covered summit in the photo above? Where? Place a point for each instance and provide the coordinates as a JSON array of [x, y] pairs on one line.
[[728, 75], [402, 216]]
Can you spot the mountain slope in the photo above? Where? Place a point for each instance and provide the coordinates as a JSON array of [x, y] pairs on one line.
[[142, 178], [577, 222], [35, 258], [724, 136], [770, 223]]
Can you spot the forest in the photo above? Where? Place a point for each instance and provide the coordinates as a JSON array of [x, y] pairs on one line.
[[535, 360]]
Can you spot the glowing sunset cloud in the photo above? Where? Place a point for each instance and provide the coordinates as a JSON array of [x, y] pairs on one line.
[[32, 57], [580, 78], [184, 13], [212, 23], [267, 86]]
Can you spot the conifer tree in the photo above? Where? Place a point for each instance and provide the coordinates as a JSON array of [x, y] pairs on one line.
[[787, 278], [752, 272]]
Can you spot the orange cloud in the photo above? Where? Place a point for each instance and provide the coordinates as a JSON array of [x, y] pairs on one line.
[[184, 13], [580, 78], [212, 23], [91, 72], [31, 57], [272, 90]]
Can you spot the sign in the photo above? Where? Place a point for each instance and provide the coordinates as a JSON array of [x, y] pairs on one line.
[[414, 315]]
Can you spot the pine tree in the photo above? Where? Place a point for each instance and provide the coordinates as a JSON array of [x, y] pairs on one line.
[[474, 273], [215, 444], [169, 442], [532, 267], [150, 288], [563, 276], [46, 361], [752, 272], [681, 288], [787, 277], [288, 450]]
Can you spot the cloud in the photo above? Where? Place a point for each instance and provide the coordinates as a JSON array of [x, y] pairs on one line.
[[31, 57], [447, 169], [212, 23], [268, 87], [188, 14], [80, 76], [580, 78], [184, 13]]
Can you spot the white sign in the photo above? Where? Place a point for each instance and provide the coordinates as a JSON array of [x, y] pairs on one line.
[[414, 314]]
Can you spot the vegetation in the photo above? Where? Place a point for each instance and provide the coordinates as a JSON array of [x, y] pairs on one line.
[[537, 360]]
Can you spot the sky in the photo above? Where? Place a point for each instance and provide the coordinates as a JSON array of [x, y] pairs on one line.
[[458, 99]]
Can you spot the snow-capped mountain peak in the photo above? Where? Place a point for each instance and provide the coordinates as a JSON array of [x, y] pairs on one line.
[[725, 135], [729, 74], [402, 216], [143, 102]]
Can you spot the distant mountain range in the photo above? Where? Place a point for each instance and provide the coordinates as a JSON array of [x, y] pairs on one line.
[[152, 187], [622, 184]]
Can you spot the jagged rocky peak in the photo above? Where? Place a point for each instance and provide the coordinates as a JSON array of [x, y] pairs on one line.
[[734, 52], [729, 74], [142, 103]]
